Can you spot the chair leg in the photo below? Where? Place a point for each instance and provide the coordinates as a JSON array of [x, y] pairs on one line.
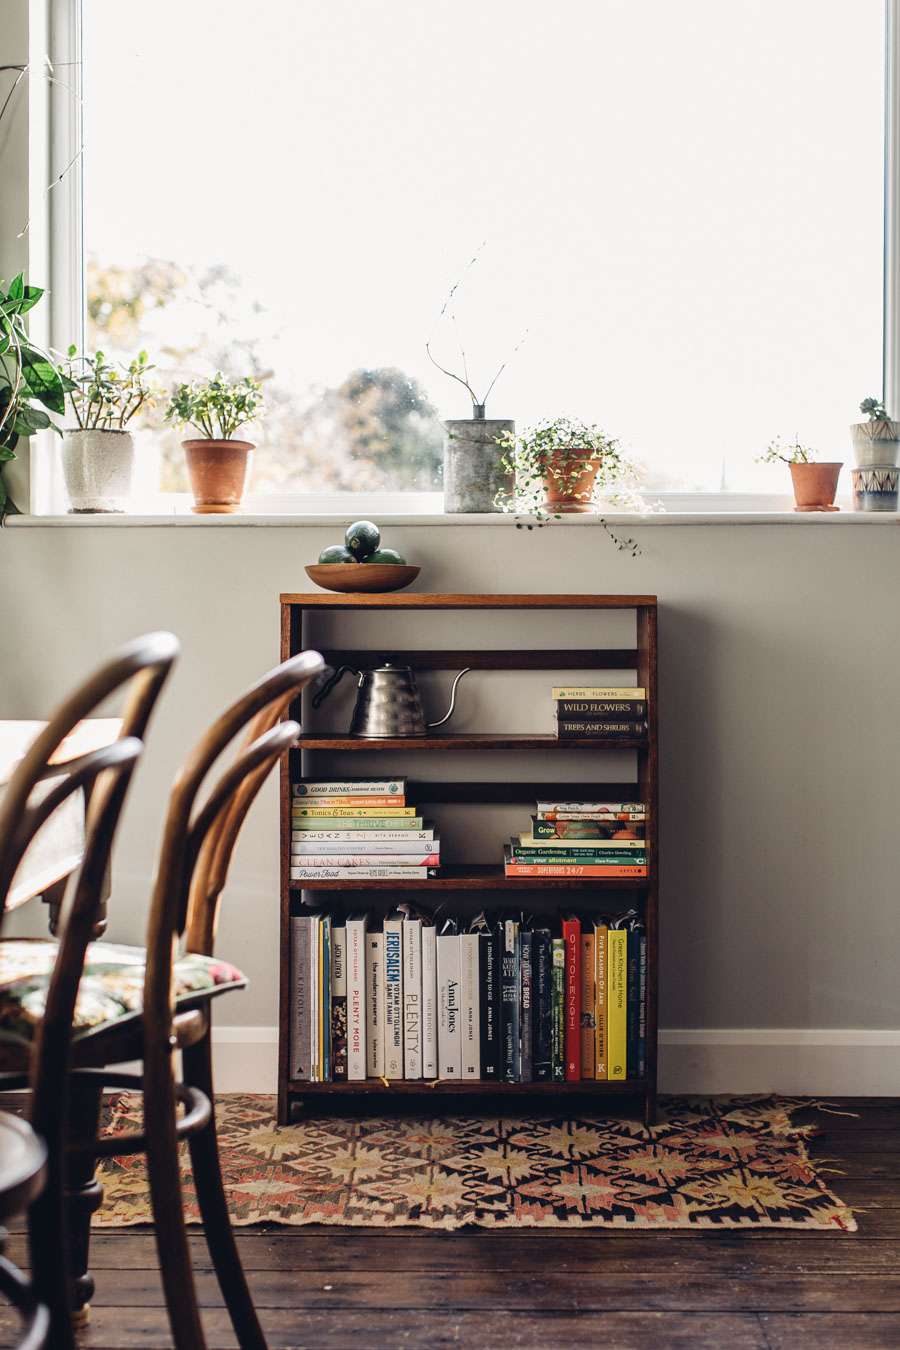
[[197, 1060], [84, 1194], [165, 1194], [50, 1228]]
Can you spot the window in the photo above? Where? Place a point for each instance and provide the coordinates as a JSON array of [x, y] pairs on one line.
[[680, 205]]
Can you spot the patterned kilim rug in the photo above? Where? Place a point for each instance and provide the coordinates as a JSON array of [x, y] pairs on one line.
[[712, 1163]]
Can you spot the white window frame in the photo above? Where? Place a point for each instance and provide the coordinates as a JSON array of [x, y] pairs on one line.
[[61, 248]]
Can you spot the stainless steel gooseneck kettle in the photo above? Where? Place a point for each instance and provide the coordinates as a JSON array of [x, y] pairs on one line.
[[387, 702]]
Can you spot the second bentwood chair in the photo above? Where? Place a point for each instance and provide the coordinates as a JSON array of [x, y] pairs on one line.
[[197, 845], [44, 1011]]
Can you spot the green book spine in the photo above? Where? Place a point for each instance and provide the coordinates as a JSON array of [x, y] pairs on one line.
[[590, 859]]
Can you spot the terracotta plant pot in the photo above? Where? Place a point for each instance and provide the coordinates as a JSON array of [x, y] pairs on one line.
[[570, 491], [815, 486], [219, 471]]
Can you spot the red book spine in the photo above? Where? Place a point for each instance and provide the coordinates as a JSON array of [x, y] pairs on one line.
[[571, 930]]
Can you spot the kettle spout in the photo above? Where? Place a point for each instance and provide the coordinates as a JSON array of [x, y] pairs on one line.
[[449, 713]]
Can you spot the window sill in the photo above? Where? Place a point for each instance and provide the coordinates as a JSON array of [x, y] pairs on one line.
[[268, 520]]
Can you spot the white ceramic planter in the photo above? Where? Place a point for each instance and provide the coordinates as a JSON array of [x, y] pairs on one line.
[[98, 468], [876, 445]]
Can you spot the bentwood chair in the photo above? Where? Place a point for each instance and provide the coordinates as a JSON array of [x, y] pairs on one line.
[[198, 841], [23, 1172], [46, 1003]]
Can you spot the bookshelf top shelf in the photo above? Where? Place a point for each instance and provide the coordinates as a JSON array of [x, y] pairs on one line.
[[469, 741], [479, 877], [403, 600]]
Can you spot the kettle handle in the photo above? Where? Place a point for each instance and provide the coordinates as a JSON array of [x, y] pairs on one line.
[[449, 713], [330, 683]]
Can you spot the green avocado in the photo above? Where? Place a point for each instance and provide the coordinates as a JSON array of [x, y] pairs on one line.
[[336, 553], [384, 555], [362, 538]]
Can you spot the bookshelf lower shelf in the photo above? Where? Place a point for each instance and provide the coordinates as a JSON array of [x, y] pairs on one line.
[[480, 877], [424, 1086]]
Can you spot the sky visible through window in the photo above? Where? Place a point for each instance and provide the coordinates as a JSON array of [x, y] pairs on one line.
[[680, 202]]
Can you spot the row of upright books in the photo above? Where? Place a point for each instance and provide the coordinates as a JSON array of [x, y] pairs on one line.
[[585, 713], [359, 829], [505, 998], [581, 839]]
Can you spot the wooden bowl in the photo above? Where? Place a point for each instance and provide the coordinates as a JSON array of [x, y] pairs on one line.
[[371, 578]]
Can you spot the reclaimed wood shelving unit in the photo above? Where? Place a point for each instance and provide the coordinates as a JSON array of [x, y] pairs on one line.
[[311, 758]]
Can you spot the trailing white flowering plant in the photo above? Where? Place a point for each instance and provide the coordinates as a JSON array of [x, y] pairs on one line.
[[105, 396], [791, 453], [216, 407], [554, 455]]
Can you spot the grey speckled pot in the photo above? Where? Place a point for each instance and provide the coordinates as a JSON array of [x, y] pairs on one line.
[[876, 445], [472, 472], [98, 467]]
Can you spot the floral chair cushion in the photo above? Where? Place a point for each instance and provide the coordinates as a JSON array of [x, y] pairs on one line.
[[111, 988]]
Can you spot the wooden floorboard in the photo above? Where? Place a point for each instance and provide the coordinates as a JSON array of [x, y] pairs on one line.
[[343, 1289]]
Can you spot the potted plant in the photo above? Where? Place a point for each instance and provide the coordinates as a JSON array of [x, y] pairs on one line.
[[31, 384], [876, 442], [560, 466], [814, 483], [218, 463], [98, 452]]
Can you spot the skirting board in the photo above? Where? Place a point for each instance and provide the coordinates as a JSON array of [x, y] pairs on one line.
[[845, 1063]]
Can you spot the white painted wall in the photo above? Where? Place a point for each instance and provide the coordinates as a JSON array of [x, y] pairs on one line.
[[780, 774]]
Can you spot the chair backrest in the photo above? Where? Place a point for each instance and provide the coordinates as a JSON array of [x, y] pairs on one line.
[[143, 666], [199, 839]]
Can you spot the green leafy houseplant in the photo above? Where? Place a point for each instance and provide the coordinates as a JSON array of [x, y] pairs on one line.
[[104, 396], [31, 384], [216, 407], [218, 463]]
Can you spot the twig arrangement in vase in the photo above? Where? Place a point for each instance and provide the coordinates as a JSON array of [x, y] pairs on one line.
[[562, 467], [218, 463], [473, 470]]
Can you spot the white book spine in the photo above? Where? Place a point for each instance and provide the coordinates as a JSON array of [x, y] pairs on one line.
[[469, 1000], [367, 873], [301, 1011], [412, 998], [429, 1001], [356, 998], [449, 1037], [375, 1005], [393, 998]]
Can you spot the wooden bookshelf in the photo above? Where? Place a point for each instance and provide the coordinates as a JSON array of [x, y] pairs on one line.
[[311, 758]]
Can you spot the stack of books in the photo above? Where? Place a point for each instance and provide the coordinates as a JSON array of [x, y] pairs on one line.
[[503, 998], [599, 714], [581, 839], [358, 830]]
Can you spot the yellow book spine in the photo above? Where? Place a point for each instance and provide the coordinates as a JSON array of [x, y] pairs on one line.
[[578, 691], [617, 1002], [319, 812], [600, 958]]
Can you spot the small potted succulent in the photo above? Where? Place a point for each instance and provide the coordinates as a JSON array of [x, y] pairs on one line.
[[218, 463], [31, 384], [98, 452], [814, 483], [876, 442], [560, 467]]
